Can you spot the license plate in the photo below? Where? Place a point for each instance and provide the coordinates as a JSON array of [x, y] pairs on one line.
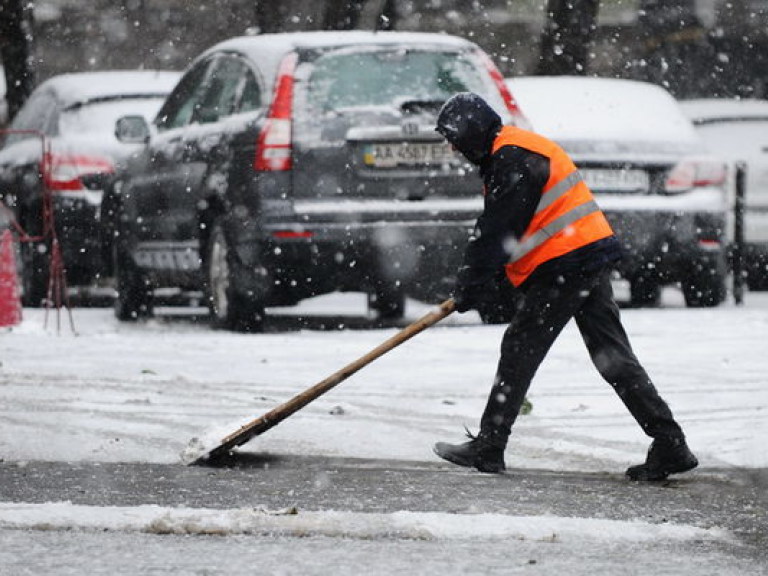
[[168, 259], [616, 180], [393, 154]]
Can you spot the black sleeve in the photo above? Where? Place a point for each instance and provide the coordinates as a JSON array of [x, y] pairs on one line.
[[514, 181]]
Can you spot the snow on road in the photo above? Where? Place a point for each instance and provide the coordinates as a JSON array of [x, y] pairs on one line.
[[338, 524], [121, 392], [117, 392]]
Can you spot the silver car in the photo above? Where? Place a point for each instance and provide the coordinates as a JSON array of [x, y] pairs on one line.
[[738, 131], [662, 192]]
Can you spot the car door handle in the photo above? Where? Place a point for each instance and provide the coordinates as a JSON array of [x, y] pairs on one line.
[[209, 142], [167, 151], [195, 149]]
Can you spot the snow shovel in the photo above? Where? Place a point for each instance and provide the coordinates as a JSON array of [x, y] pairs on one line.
[[200, 451]]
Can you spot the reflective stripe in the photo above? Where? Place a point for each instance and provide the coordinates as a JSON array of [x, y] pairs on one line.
[[558, 190], [557, 225]]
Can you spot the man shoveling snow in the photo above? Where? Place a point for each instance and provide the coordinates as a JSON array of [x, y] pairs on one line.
[[542, 228]]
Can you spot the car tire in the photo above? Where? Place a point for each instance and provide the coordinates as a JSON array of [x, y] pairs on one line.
[[229, 309], [35, 266], [134, 294], [644, 291], [757, 268], [388, 302], [757, 283], [108, 213], [705, 289]]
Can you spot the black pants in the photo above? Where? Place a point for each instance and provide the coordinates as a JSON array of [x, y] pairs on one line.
[[544, 309]]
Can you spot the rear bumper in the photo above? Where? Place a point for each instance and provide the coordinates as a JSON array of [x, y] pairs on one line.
[[296, 256], [297, 250], [669, 245], [419, 257]]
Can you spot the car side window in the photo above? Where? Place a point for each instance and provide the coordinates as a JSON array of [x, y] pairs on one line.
[[180, 105], [35, 116], [250, 95], [225, 88]]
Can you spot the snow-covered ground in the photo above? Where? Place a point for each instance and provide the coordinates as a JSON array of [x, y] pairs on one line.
[[122, 392], [115, 392]]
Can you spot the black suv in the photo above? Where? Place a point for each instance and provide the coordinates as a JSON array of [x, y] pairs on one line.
[[291, 165]]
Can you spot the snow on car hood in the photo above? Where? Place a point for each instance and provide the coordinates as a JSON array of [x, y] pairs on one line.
[[605, 115]]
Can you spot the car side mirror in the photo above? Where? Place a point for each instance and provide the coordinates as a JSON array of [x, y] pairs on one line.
[[132, 129]]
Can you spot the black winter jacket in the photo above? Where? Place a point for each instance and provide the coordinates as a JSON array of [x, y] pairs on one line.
[[514, 178]]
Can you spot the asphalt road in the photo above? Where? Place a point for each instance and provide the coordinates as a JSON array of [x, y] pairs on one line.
[[734, 499]]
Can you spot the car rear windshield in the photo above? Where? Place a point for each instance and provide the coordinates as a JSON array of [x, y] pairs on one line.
[[736, 137], [390, 77]]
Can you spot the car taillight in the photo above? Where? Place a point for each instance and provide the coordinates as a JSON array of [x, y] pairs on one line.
[[292, 234], [62, 172], [274, 150], [710, 244], [689, 174], [498, 80]]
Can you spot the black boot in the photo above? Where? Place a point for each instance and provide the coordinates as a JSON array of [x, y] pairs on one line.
[[665, 457], [478, 453]]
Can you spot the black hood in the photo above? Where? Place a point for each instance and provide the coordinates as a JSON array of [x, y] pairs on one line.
[[470, 124]]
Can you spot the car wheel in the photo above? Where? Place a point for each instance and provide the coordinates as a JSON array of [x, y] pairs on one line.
[[757, 269], [35, 259], [644, 292], [110, 210], [133, 300], [757, 283], [229, 310], [388, 302], [705, 289], [34, 273]]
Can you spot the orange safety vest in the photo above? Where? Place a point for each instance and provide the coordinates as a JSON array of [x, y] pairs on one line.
[[567, 216]]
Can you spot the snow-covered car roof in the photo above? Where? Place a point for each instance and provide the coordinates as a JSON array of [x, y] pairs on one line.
[[708, 110], [610, 109], [117, 93], [81, 87], [292, 40], [736, 129], [267, 49]]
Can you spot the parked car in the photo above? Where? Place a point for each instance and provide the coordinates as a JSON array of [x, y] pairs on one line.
[[662, 192], [738, 130], [64, 133], [291, 165]]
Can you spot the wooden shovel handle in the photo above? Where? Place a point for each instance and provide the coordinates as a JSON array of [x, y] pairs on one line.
[[281, 412]]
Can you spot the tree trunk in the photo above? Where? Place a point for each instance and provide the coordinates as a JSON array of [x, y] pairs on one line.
[[675, 50], [270, 16], [16, 52], [342, 14], [567, 37], [389, 16]]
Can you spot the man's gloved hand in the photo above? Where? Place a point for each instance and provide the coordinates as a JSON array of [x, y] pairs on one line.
[[465, 299]]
